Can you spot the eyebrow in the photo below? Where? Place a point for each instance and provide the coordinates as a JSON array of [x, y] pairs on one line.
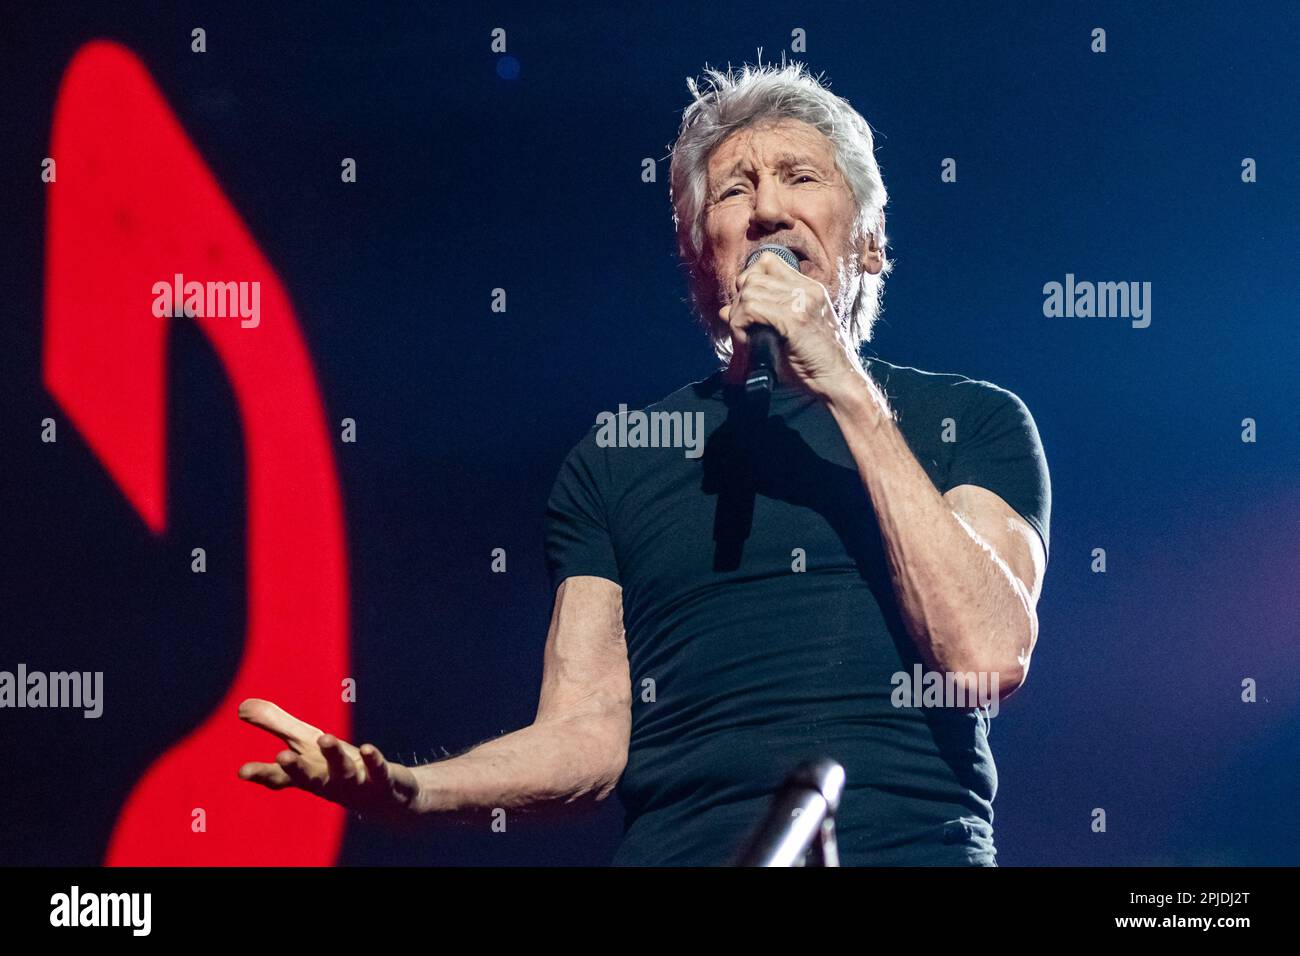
[[783, 161]]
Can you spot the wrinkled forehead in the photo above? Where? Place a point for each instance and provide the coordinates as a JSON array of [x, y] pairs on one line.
[[771, 144]]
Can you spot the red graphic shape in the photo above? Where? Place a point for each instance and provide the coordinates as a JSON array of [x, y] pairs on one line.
[[134, 204]]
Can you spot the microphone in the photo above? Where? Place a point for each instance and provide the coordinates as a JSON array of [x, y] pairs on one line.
[[764, 346]]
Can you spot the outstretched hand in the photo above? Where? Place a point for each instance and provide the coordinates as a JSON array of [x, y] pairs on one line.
[[359, 779]]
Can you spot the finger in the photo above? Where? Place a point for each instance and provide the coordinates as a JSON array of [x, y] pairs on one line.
[[340, 763], [766, 288], [269, 775], [774, 264], [376, 766], [736, 326], [268, 716], [769, 264], [753, 277], [757, 309], [762, 303], [764, 262], [299, 773], [758, 285], [746, 276]]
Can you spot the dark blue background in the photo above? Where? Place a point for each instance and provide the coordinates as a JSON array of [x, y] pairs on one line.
[[1122, 166]]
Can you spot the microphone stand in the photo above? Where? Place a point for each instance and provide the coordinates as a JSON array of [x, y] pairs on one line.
[[799, 828]]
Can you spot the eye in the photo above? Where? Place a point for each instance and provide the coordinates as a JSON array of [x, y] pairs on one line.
[[729, 192], [802, 176]]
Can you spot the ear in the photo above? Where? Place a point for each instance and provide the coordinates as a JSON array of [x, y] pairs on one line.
[[873, 260]]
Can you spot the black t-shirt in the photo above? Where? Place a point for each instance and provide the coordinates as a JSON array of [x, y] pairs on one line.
[[762, 626]]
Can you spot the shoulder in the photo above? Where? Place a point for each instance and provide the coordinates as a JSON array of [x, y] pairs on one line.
[[952, 391], [993, 444]]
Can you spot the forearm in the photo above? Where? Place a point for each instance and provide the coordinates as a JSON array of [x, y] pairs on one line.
[[551, 766], [959, 601]]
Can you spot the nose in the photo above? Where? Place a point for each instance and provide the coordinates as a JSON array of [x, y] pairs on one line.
[[770, 212]]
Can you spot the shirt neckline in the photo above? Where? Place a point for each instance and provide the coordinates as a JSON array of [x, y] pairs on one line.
[[714, 386]]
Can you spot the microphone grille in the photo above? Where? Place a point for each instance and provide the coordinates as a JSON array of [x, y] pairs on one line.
[[789, 257]]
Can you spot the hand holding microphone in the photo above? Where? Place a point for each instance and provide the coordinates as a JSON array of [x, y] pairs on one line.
[[788, 315], [764, 347]]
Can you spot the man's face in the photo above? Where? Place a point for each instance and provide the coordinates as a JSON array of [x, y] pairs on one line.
[[777, 182]]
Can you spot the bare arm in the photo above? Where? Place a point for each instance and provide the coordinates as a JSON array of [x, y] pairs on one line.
[[966, 568], [576, 748], [569, 758]]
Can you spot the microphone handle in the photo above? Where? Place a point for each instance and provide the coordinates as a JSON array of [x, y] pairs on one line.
[[763, 350]]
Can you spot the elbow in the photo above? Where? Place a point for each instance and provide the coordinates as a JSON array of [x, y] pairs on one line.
[[1012, 677], [607, 762], [605, 747], [1023, 649], [997, 672], [587, 789], [1011, 667], [608, 780], [599, 783]]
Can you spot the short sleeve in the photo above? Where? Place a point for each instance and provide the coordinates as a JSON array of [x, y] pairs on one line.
[[578, 537], [998, 448]]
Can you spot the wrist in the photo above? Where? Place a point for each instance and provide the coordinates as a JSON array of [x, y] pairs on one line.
[[423, 801], [853, 394]]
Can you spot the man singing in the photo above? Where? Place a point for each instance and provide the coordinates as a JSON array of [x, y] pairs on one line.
[[721, 617]]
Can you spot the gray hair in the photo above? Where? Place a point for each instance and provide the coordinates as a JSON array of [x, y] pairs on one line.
[[734, 101]]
